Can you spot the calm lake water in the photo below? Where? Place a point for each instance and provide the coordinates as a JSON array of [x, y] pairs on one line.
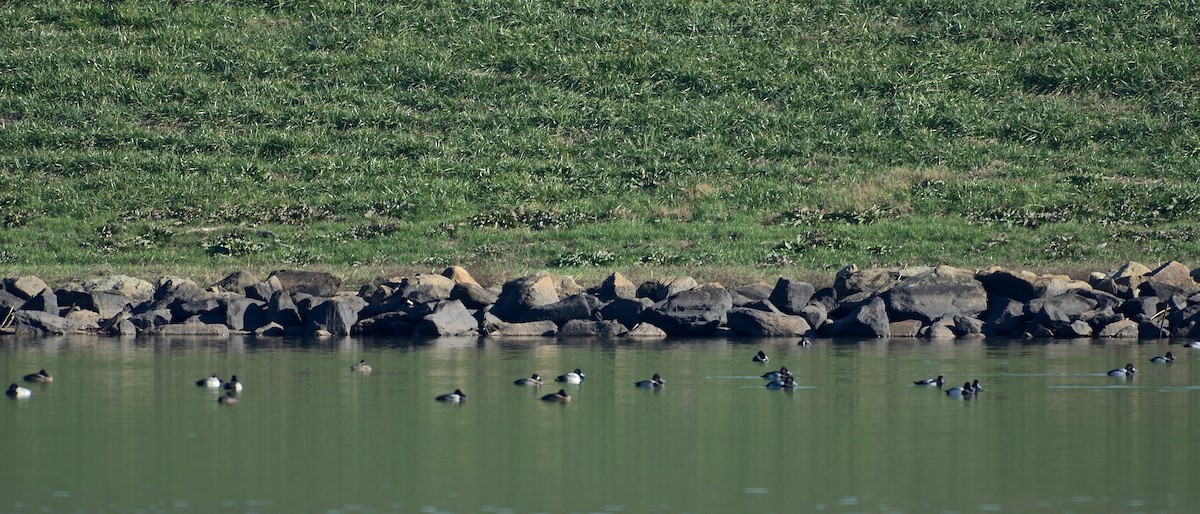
[[123, 428]]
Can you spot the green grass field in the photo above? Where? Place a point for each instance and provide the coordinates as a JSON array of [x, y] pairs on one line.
[[718, 138]]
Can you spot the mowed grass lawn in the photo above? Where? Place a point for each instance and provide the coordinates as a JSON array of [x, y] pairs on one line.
[[726, 139]]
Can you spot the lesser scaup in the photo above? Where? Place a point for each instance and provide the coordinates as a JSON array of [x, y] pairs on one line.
[[561, 396], [233, 385], [654, 382], [1165, 359], [939, 381], [1127, 371], [40, 376], [228, 398], [761, 357], [212, 382], [17, 391], [361, 367], [455, 397], [776, 375], [961, 392], [787, 382], [533, 380], [574, 377]]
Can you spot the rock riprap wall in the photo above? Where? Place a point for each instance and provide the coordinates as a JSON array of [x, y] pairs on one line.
[[1131, 301]]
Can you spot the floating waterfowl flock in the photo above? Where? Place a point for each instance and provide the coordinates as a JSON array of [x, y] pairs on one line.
[[780, 379]]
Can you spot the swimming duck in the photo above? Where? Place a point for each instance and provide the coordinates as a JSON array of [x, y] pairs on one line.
[[212, 382], [561, 397], [40, 376], [233, 385], [574, 377], [533, 380], [961, 392], [1127, 371], [228, 398], [761, 357], [17, 391], [804, 342], [654, 382], [455, 397], [777, 375], [361, 367], [939, 381], [975, 387], [787, 382], [1168, 358], [1193, 344]]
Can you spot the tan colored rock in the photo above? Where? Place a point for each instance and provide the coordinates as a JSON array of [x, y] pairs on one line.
[[459, 275], [1125, 328], [25, 287], [905, 328], [646, 331]]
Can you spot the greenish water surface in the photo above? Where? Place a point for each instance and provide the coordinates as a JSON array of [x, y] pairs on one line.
[[123, 428]]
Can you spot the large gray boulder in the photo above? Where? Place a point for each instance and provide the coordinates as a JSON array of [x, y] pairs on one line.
[[282, 310], [131, 287], [336, 316], [695, 312], [851, 280], [1005, 317], [791, 296], [45, 301], [245, 313], [815, 314], [107, 303], [940, 292], [576, 306], [661, 289], [426, 288], [263, 290], [24, 287], [38, 323], [756, 291], [473, 296], [10, 300], [170, 289], [626, 311], [524, 293], [1119, 329], [646, 331], [316, 283], [1172, 278], [592, 328], [1020, 286], [449, 318], [190, 329], [674, 286], [237, 282], [868, 320], [753, 322], [146, 320], [397, 323], [530, 329], [616, 286]]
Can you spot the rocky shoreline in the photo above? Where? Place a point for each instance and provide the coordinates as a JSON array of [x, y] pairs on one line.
[[1132, 301]]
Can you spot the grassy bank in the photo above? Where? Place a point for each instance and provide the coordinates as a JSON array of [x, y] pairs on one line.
[[752, 137]]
